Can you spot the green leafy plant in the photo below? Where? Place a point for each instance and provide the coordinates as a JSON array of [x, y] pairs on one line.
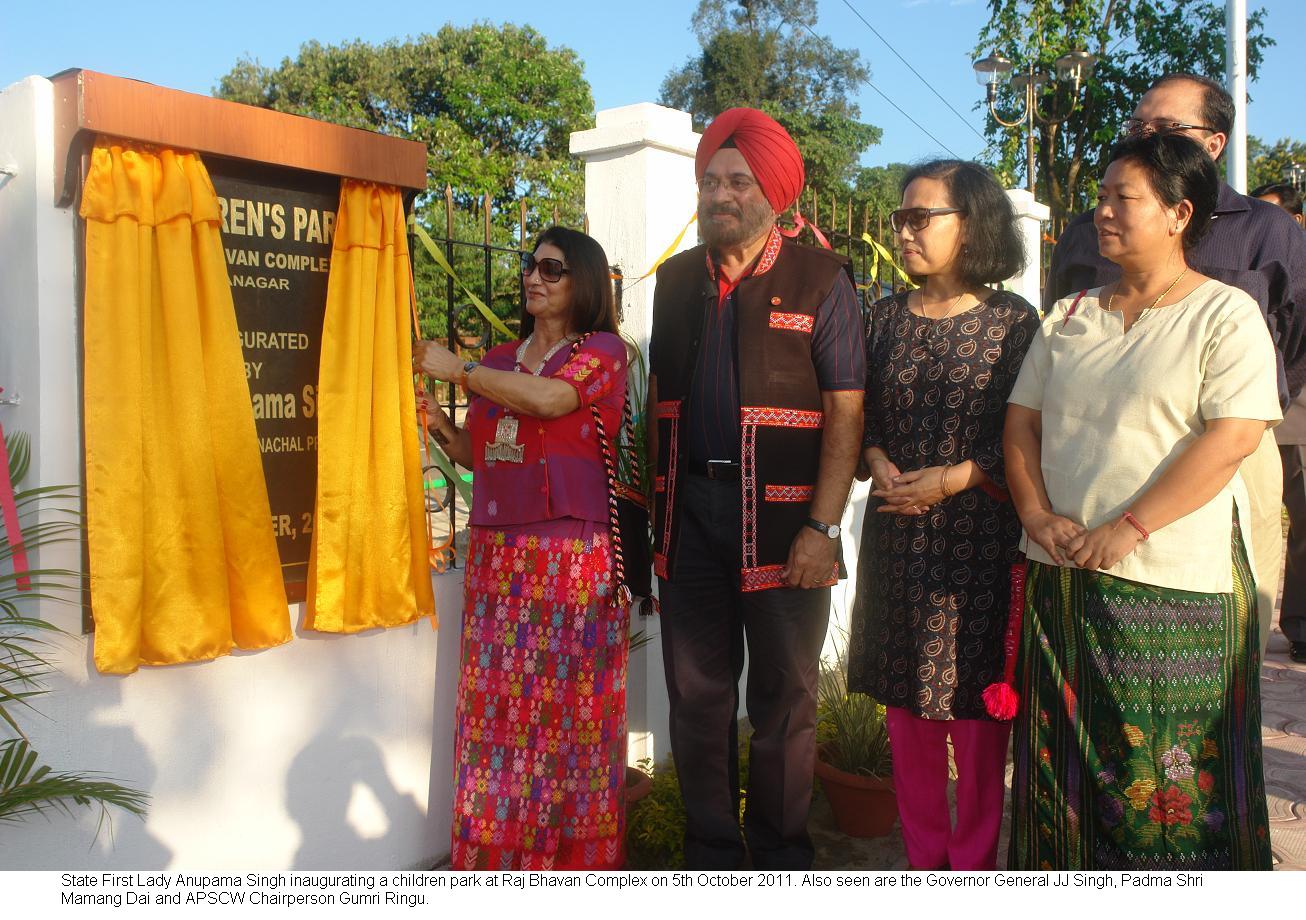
[[655, 825], [28, 787], [850, 726], [637, 455]]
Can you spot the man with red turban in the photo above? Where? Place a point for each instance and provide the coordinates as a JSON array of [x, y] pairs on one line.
[[755, 391]]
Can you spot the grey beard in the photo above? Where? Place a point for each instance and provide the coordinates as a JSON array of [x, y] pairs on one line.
[[752, 224]]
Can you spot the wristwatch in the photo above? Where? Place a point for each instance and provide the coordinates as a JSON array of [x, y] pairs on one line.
[[830, 530], [467, 369]]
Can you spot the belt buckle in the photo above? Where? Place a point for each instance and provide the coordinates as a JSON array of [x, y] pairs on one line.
[[724, 467]]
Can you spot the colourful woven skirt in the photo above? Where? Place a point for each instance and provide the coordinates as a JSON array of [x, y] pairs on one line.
[[540, 752], [1138, 744]]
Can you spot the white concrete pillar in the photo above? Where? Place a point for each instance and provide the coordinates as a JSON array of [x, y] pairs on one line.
[[1030, 215], [639, 193]]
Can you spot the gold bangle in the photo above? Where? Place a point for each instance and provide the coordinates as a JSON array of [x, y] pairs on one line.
[[943, 481]]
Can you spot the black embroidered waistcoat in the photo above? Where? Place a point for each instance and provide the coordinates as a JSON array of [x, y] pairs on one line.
[[780, 411]]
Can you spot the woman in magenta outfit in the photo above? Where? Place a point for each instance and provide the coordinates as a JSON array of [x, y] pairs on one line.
[[540, 751]]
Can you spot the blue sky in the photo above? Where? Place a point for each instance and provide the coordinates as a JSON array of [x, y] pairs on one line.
[[627, 49]]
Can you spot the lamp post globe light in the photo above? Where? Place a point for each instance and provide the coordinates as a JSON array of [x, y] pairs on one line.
[[1073, 67]]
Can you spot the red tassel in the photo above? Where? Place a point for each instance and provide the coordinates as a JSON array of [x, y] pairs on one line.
[[1001, 700]]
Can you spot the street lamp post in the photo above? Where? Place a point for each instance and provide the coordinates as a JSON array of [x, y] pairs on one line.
[[1073, 66]]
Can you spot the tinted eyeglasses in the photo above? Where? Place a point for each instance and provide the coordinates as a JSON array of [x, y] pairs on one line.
[[551, 270], [736, 185], [917, 218], [1134, 127]]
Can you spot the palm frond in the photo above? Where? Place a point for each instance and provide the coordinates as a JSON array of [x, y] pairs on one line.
[[19, 448], [23, 665], [29, 788]]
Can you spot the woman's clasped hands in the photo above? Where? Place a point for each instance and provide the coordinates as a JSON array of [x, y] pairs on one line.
[[912, 493], [1070, 543]]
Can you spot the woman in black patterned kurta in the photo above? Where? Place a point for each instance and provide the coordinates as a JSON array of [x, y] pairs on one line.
[[938, 545]]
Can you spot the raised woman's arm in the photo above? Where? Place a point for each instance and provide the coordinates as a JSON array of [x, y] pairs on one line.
[[525, 394]]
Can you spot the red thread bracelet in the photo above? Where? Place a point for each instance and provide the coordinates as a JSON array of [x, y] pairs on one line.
[[1133, 522]]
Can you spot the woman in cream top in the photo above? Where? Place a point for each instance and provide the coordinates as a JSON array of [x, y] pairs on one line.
[[1138, 744]]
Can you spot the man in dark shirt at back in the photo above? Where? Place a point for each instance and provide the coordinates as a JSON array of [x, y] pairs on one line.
[[1291, 436], [1252, 245]]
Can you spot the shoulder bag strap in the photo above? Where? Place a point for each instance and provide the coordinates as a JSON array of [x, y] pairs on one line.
[[610, 468], [1073, 304]]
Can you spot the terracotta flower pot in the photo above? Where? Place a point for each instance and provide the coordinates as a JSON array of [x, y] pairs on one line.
[[638, 785], [863, 806]]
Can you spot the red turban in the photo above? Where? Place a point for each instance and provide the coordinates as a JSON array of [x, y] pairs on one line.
[[766, 146]]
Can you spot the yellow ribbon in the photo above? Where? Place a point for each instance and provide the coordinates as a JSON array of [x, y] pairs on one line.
[[441, 460], [670, 250], [434, 251], [881, 253]]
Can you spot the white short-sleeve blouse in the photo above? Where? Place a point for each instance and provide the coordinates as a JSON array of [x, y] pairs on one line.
[[1118, 407]]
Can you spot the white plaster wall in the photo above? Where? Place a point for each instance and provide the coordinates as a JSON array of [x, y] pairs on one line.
[[844, 593], [327, 752]]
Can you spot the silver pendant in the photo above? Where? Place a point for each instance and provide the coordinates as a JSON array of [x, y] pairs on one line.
[[504, 446]]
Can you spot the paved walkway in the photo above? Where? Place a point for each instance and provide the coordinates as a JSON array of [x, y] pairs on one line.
[[1283, 726], [1283, 716]]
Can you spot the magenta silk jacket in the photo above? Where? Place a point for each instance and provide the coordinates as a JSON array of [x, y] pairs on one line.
[[561, 474]]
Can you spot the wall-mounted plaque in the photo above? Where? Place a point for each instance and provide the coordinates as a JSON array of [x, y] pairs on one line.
[[277, 227], [278, 180]]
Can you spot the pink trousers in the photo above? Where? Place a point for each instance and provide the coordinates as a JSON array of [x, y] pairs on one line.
[[920, 778]]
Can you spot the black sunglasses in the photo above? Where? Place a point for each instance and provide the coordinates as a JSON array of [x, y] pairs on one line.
[[551, 270], [917, 218], [1134, 127]]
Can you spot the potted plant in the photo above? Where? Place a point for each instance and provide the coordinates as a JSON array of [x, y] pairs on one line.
[[853, 759]]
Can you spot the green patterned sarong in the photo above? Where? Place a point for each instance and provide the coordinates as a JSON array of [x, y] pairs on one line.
[[1138, 744]]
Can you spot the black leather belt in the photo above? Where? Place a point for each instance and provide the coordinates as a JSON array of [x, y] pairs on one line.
[[720, 470]]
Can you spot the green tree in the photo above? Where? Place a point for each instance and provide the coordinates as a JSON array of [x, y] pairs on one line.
[[1136, 42], [759, 53], [1266, 163], [495, 107], [878, 191]]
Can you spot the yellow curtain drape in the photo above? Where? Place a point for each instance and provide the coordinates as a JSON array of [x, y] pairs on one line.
[[368, 566], [183, 562]]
